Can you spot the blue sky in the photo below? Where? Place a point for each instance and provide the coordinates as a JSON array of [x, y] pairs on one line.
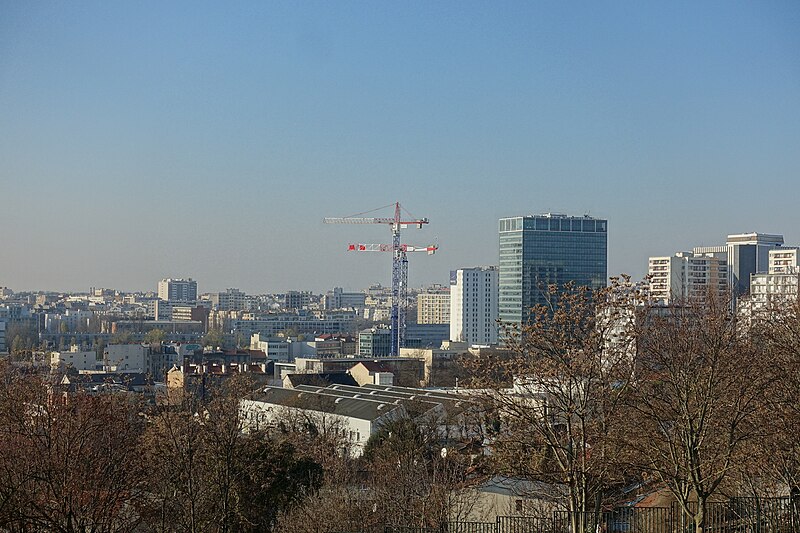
[[141, 140]]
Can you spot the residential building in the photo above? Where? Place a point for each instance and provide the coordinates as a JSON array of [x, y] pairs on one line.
[[177, 290], [776, 290], [194, 313], [294, 300], [167, 326], [338, 299], [783, 260], [76, 360], [372, 372], [303, 322], [276, 349], [433, 306], [230, 300], [3, 344], [69, 320], [537, 251], [687, 277], [126, 358], [474, 305], [746, 254]]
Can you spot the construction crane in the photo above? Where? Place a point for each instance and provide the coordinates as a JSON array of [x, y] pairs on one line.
[[399, 263]]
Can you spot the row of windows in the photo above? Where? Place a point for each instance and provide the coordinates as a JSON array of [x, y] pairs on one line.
[[554, 224]]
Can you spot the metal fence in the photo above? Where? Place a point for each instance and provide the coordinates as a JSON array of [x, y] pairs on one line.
[[737, 515]]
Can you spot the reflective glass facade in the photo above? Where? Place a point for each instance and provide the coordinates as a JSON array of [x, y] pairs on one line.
[[538, 250]]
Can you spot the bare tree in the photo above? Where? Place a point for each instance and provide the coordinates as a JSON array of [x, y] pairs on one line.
[[777, 328], [208, 475], [68, 464], [555, 398], [698, 401]]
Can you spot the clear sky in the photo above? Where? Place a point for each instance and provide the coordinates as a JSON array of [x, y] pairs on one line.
[[141, 140]]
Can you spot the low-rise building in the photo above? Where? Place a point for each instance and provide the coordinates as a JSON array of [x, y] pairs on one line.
[[372, 373], [354, 419], [75, 360], [127, 358]]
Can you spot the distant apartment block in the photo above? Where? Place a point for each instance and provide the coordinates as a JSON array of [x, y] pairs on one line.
[[783, 261], [777, 289], [230, 300], [433, 306], [474, 305], [687, 277], [177, 290], [126, 358], [75, 359], [294, 300], [272, 324], [339, 299], [745, 254]]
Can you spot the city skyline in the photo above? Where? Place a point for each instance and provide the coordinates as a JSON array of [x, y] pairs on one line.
[[148, 141]]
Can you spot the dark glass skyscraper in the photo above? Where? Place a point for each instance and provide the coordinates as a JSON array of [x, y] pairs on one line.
[[539, 250]]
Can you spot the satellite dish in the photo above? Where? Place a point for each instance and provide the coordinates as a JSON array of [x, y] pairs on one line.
[[444, 453]]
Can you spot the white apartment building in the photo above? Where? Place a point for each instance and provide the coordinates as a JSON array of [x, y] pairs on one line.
[[473, 305], [75, 359], [745, 254], [777, 288], [231, 299], [783, 260], [126, 358], [177, 290], [433, 307], [687, 277]]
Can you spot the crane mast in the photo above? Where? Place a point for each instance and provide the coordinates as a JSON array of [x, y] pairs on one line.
[[399, 265]]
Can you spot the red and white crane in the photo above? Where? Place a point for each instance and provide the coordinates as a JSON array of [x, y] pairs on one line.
[[399, 263]]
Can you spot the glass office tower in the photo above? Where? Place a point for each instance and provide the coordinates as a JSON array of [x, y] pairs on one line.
[[539, 250]]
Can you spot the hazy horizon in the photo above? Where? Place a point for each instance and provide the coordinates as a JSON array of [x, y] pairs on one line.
[[147, 140]]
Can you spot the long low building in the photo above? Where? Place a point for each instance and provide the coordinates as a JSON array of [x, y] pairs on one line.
[[354, 420], [356, 413]]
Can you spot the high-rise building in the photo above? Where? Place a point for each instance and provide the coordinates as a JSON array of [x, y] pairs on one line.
[[473, 305], [177, 290], [540, 250], [433, 306], [746, 254], [687, 277]]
